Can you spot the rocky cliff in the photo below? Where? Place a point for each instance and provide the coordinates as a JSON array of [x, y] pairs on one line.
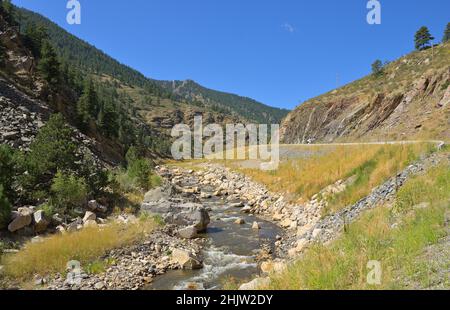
[[409, 100]]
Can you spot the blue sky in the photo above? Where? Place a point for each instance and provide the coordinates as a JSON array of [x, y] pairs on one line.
[[279, 52]]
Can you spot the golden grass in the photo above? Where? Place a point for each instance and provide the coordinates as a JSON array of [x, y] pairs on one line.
[[53, 254], [343, 264], [302, 178]]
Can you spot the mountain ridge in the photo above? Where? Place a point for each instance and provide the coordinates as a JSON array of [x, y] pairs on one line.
[[91, 59]]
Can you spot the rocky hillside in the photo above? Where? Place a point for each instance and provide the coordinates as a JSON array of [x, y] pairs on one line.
[[409, 100], [172, 100]]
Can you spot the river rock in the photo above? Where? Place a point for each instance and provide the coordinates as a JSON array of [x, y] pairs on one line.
[[246, 209], [189, 232], [186, 260], [187, 214], [240, 221], [255, 226], [21, 218], [40, 221]]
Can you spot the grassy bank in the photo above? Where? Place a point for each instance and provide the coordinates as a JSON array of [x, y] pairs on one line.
[[371, 165], [86, 246], [393, 235]]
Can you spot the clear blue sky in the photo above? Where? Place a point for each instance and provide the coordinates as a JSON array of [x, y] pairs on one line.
[[279, 52]]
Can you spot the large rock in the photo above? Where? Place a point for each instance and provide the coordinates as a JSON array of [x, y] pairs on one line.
[[158, 194], [93, 206], [189, 232], [187, 214], [186, 260], [21, 218], [89, 216], [40, 221]]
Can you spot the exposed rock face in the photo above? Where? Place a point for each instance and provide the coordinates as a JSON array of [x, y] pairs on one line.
[[411, 102]]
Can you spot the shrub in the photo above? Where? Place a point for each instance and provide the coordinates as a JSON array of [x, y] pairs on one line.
[[5, 209], [140, 170], [96, 178], [52, 150], [7, 170], [68, 191]]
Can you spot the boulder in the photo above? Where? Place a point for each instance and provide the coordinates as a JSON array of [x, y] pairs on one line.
[[93, 206], [237, 205], [187, 214], [240, 221], [75, 225], [40, 221], [21, 218], [189, 232], [255, 226], [246, 209], [155, 195], [186, 260], [89, 216]]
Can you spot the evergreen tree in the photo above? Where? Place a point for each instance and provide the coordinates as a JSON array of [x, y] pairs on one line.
[[446, 34], [52, 150], [2, 54], [377, 68], [87, 106], [48, 65], [5, 209], [34, 38], [7, 9], [422, 38], [7, 170]]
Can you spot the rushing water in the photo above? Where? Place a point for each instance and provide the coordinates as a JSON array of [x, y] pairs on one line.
[[230, 250]]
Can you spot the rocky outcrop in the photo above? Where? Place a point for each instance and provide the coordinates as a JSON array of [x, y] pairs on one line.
[[410, 100]]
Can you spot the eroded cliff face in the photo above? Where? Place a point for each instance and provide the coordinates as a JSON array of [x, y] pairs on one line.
[[411, 100]]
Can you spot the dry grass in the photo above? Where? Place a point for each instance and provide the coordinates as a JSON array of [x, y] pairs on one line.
[[343, 264], [53, 254], [302, 178]]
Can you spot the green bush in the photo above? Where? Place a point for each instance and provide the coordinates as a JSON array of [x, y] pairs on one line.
[[52, 150], [7, 170], [68, 192], [141, 170], [5, 209]]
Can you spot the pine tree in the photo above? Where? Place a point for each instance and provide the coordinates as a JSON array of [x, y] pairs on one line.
[[446, 34], [52, 150], [422, 38], [48, 65], [87, 106], [34, 38], [7, 9], [2, 53], [377, 68]]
